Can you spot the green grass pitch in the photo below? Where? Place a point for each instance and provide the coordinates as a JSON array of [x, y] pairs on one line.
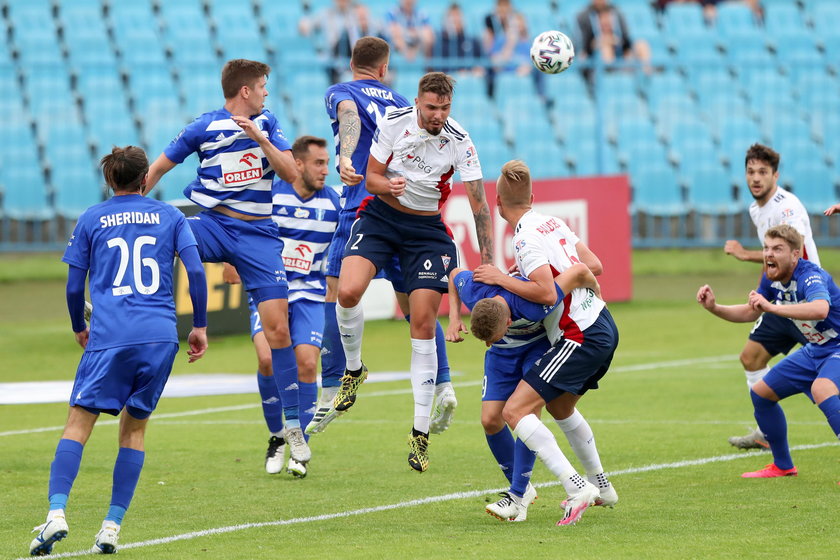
[[661, 418]]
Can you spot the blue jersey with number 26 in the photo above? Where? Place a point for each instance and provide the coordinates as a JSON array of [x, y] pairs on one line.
[[371, 98], [128, 245]]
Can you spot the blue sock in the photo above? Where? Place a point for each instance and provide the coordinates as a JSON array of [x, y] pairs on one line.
[[332, 352], [831, 409], [771, 420], [501, 446], [523, 465], [284, 364], [126, 474], [271, 404], [443, 359], [308, 395], [440, 347], [63, 471]]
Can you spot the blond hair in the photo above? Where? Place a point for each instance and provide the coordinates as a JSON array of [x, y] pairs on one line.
[[489, 319], [514, 184], [788, 233]]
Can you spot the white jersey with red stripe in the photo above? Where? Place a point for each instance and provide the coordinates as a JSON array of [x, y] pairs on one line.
[[426, 161], [785, 208], [539, 240]]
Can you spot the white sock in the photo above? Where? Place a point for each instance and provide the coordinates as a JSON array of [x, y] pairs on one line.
[[423, 371], [754, 377], [539, 439], [327, 395], [351, 325], [53, 513], [582, 440]]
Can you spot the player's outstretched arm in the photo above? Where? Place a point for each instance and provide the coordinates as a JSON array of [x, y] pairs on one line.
[[161, 166], [197, 338], [742, 313], [456, 325], [349, 130], [481, 213], [832, 210]]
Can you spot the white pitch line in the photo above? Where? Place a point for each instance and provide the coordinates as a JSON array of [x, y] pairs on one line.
[[423, 501], [618, 369]]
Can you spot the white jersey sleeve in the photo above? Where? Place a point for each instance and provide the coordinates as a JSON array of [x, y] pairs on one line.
[[382, 145], [467, 164]]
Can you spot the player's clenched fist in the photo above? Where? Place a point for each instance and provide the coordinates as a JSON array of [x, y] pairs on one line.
[[397, 186], [706, 297]]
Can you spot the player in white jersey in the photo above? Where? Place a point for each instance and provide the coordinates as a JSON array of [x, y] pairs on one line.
[[772, 206], [580, 329], [415, 152]]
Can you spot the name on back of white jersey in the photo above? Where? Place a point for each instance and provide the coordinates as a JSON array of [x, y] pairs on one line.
[[121, 218]]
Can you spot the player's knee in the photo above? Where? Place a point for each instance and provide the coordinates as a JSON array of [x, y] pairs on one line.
[[277, 334], [308, 370], [753, 360], [264, 364], [348, 296], [492, 422], [512, 414], [822, 389]]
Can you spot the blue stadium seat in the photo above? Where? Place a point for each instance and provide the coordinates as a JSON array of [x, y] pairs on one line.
[[709, 84], [735, 136], [24, 188], [710, 191], [698, 49], [186, 55], [78, 186], [89, 50], [171, 187], [664, 85], [545, 159], [641, 20], [138, 50], [824, 16], [814, 185], [780, 18], [682, 18], [151, 83], [656, 191], [187, 19], [734, 18], [644, 153], [768, 89]]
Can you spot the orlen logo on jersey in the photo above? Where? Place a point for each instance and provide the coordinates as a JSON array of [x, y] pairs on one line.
[[300, 260], [246, 175]]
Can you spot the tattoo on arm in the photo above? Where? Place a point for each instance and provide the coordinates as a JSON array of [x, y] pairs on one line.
[[349, 128], [483, 223]]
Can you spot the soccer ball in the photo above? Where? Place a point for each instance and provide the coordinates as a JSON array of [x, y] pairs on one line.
[[552, 52]]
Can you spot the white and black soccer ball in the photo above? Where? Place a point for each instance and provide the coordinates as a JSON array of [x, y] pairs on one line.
[[552, 52]]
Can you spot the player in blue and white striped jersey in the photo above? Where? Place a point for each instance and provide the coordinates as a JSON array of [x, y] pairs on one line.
[[306, 214], [240, 147], [518, 342]]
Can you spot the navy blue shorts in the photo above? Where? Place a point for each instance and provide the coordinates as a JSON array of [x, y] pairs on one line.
[[306, 321], [572, 367], [425, 249], [253, 247], [777, 334], [390, 272], [125, 376], [504, 368], [796, 373]]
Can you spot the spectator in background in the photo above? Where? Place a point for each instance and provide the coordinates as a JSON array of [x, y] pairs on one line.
[[456, 43], [604, 32], [339, 25], [410, 30], [508, 44]]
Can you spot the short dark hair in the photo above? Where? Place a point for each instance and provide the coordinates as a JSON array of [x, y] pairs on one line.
[[369, 52], [438, 83], [125, 168], [241, 72], [301, 146], [760, 152]]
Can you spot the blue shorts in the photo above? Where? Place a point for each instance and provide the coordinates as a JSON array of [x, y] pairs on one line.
[[306, 321], [425, 249], [796, 373], [125, 376], [504, 368], [390, 272], [571, 367], [253, 247], [777, 334]]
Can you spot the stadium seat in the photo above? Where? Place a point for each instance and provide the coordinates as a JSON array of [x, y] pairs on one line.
[[682, 18], [641, 20], [710, 191], [656, 191], [735, 136], [24, 189], [78, 186], [781, 17], [734, 18], [814, 185], [664, 85], [824, 16], [698, 49]]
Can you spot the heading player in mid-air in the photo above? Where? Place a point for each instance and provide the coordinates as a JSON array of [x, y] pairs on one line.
[[772, 206], [415, 152], [355, 109], [240, 147], [127, 245], [804, 295]]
